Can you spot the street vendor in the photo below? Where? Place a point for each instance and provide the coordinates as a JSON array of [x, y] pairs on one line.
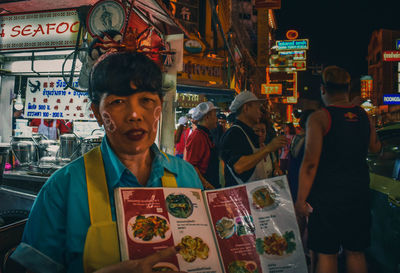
[[72, 225], [51, 128]]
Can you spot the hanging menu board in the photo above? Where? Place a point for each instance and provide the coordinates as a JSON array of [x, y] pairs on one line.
[[47, 98]]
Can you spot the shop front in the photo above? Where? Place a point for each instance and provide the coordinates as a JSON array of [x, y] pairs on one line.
[[46, 120], [204, 78]]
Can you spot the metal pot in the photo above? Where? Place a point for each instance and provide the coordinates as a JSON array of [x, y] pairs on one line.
[[69, 146], [90, 142], [44, 144], [26, 151]]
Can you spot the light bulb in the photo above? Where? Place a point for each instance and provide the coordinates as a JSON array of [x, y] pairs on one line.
[[18, 103]]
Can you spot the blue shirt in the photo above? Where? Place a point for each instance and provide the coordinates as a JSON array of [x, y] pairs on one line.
[[55, 234]]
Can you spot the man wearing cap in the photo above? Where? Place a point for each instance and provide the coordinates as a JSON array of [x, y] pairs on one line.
[[334, 177], [240, 148], [200, 149]]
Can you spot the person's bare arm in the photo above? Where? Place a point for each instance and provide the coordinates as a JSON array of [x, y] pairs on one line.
[[374, 143], [316, 126], [207, 185], [248, 162]]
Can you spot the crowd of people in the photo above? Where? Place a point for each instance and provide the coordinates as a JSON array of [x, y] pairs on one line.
[[325, 162]]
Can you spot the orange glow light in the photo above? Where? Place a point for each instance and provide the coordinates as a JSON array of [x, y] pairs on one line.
[[292, 34]]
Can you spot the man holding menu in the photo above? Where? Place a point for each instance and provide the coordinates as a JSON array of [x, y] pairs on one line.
[[240, 147]]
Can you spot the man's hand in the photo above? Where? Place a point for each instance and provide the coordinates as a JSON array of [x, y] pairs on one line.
[[144, 265], [277, 143], [303, 208]]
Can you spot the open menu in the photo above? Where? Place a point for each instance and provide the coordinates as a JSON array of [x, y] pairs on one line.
[[249, 228]]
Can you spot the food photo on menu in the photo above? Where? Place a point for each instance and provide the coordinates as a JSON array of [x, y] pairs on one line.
[[248, 228]]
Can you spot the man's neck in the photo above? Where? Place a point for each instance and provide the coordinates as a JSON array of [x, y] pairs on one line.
[[204, 124], [245, 120], [338, 100]]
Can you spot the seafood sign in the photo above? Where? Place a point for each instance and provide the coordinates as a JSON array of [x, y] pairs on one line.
[[248, 228]]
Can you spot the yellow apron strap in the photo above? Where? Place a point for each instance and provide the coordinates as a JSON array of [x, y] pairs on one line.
[[99, 200], [168, 179]]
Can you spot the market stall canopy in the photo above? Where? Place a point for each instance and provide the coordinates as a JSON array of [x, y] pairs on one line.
[[154, 12]]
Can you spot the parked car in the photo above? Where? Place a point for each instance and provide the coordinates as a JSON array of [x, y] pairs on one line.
[[384, 253]]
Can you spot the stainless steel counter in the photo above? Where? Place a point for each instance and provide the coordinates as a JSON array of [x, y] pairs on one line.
[[21, 180]]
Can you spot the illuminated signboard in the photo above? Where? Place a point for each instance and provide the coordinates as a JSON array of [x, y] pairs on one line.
[[299, 65], [391, 56], [271, 89], [292, 44], [39, 30], [398, 44], [391, 99], [298, 55], [366, 88]]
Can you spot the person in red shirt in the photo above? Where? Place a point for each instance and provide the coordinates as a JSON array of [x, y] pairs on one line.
[[51, 128], [200, 149], [181, 135]]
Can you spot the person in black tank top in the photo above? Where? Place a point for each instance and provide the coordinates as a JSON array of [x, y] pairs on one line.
[[334, 179]]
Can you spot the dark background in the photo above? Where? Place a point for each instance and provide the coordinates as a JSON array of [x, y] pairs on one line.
[[339, 30]]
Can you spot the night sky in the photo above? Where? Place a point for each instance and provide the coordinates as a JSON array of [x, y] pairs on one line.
[[339, 30]]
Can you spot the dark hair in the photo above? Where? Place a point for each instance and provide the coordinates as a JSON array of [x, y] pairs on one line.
[[114, 73]]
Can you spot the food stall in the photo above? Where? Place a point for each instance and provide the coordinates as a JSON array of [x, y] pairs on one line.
[[43, 75]]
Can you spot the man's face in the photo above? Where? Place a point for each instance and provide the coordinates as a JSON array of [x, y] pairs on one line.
[[212, 119], [130, 122], [253, 112]]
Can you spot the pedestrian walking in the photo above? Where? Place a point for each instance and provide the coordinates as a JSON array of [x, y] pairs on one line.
[[201, 151]]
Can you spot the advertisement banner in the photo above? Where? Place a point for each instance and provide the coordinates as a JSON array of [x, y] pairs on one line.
[[391, 56], [269, 4], [47, 98], [39, 30]]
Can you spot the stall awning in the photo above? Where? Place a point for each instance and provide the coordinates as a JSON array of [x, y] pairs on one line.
[[191, 89]]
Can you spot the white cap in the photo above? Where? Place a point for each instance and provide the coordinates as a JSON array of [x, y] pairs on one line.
[[182, 120], [202, 109], [191, 111], [242, 98]]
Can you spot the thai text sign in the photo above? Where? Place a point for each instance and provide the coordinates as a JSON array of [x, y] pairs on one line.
[[47, 98], [391, 56], [292, 44], [189, 100], [202, 69], [391, 99], [298, 55], [39, 30], [271, 89]]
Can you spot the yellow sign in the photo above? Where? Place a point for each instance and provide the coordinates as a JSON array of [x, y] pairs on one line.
[[202, 69], [189, 100], [271, 89]]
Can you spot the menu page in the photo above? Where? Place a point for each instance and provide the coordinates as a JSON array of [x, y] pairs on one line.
[[153, 219], [256, 227]]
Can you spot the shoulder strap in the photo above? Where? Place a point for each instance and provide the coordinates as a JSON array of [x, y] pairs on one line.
[[248, 139], [168, 180], [99, 200]]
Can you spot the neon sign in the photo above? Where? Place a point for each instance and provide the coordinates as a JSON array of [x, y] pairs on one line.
[[292, 45]]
